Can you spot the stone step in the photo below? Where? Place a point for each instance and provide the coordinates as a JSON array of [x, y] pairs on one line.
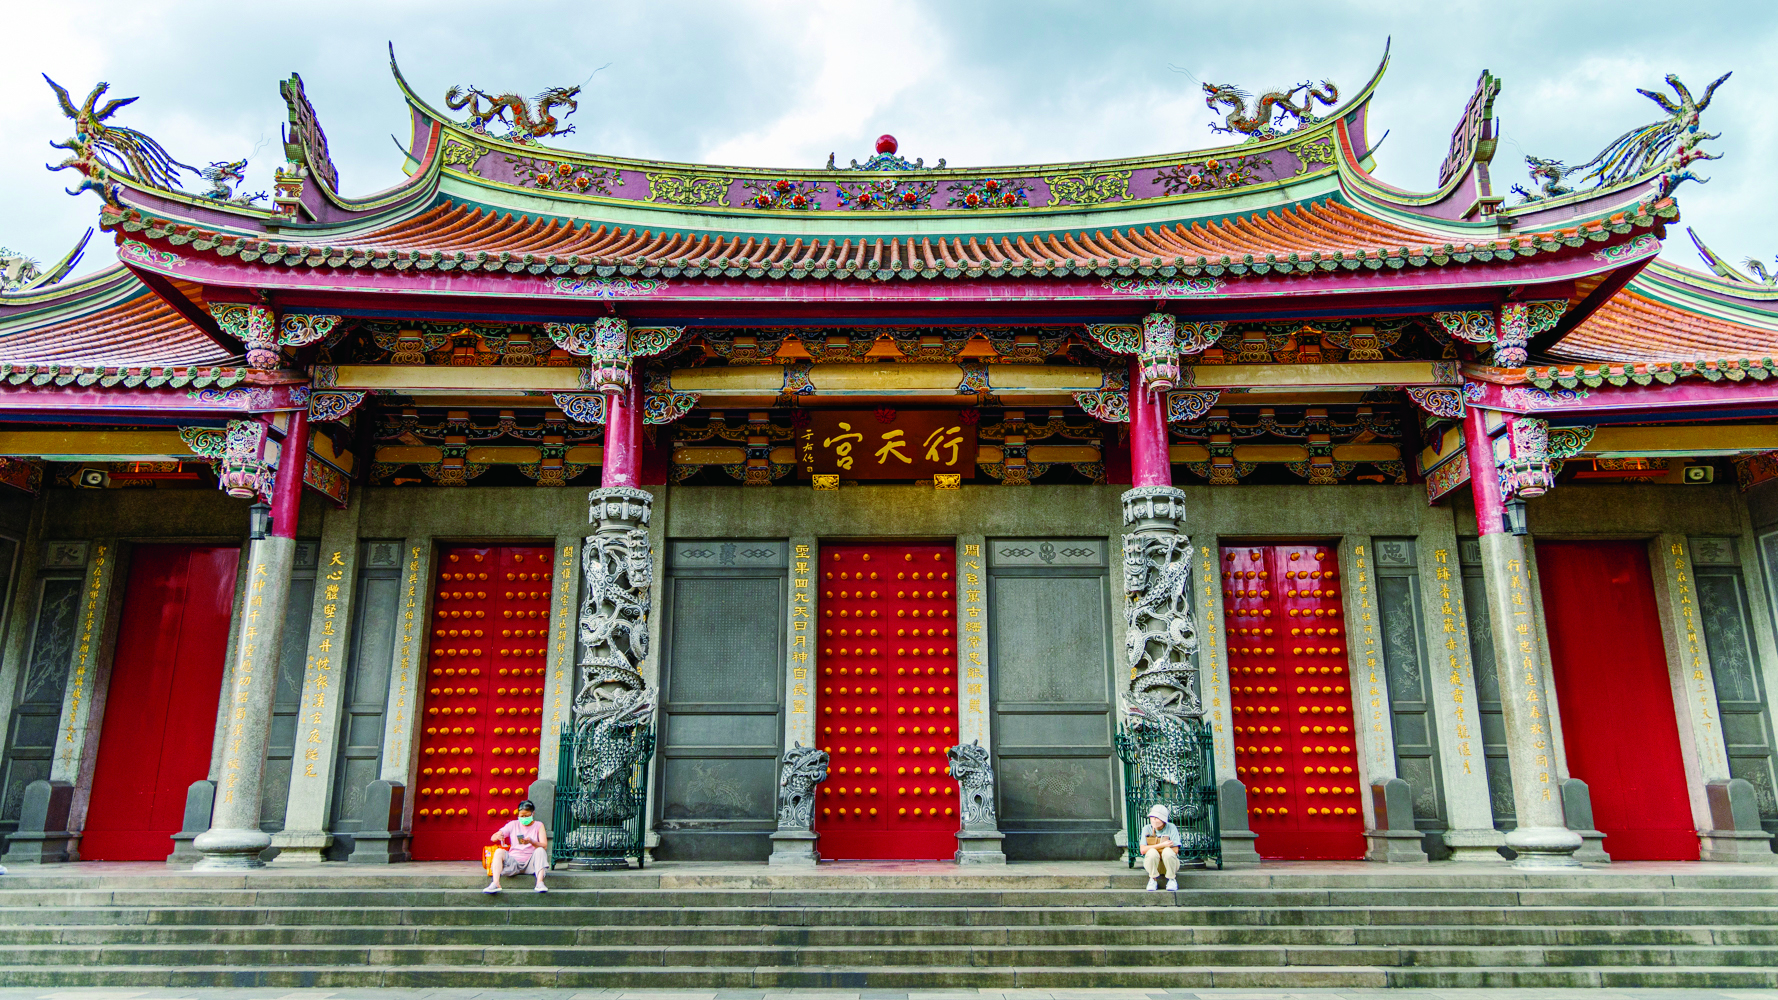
[[1292, 899], [898, 937], [550, 910], [1157, 977], [468, 957], [676, 878]]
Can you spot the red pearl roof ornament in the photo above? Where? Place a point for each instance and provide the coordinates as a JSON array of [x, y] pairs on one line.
[[886, 158]]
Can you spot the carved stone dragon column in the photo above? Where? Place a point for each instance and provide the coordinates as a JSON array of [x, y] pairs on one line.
[[612, 701], [1162, 702]]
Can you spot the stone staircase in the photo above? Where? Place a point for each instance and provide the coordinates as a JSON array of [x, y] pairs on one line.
[[1051, 926]]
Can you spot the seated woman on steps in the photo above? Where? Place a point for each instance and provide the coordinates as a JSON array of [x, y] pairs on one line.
[[526, 850], [1160, 849]]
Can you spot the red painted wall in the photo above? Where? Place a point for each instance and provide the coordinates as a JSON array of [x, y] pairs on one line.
[[1615, 698], [160, 707]]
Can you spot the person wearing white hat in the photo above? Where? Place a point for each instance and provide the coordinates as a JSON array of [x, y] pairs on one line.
[[1160, 849]]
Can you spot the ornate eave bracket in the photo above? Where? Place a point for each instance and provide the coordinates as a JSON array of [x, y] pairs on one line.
[[1158, 344], [1510, 334], [1529, 454], [1438, 401], [660, 403], [334, 404], [581, 407], [303, 330], [244, 471], [611, 346], [252, 325], [1110, 403]]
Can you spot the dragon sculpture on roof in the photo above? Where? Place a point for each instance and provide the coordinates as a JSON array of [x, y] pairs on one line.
[[515, 111], [98, 150], [1668, 146], [1723, 269], [1273, 106]]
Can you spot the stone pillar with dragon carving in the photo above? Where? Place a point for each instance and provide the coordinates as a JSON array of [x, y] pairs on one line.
[[613, 701]]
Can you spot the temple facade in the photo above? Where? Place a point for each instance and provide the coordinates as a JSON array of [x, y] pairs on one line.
[[917, 511]]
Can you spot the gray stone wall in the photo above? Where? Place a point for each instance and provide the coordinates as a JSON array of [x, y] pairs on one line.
[[425, 516]]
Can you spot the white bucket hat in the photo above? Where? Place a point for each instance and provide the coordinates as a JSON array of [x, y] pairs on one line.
[[1158, 812]]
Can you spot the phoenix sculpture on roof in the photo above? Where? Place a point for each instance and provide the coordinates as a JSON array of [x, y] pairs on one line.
[[1669, 145], [98, 150]]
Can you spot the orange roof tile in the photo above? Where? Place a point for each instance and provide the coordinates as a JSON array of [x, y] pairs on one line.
[[1321, 235], [141, 330], [1633, 327]]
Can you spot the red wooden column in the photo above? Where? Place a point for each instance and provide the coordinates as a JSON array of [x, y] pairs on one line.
[[1149, 461], [623, 437], [1542, 837]]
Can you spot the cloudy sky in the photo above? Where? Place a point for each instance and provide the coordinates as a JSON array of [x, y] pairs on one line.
[[976, 81]]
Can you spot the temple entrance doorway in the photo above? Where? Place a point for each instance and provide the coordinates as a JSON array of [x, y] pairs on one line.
[[1291, 700], [886, 707], [166, 681], [1615, 697], [481, 714]]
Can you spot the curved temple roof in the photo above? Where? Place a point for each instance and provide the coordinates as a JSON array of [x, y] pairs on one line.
[[108, 320]]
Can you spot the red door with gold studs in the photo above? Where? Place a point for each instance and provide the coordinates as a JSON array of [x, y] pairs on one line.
[[887, 702], [482, 713], [1295, 746]]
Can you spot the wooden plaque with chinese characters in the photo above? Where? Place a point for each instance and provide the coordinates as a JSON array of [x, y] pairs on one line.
[[1295, 745], [481, 716], [885, 444], [886, 701]]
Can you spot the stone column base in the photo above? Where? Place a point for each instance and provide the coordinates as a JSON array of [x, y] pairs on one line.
[[1476, 845], [1395, 847], [301, 847], [794, 849], [980, 847], [1237, 849], [230, 850], [1544, 847], [1744, 846]]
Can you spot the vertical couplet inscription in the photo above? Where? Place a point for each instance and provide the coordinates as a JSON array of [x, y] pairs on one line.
[[1694, 657], [231, 765], [1527, 663], [404, 661], [1448, 618], [1292, 712], [972, 614], [83, 657], [563, 635], [1211, 668], [800, 611], [321, 666]]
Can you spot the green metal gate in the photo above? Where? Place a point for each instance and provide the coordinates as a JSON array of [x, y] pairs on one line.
[[1192, 805], [601, 825]]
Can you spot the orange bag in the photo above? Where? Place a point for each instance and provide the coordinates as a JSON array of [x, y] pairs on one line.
[[488, 859]]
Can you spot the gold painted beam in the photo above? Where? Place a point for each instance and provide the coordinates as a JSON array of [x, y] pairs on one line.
[[423, 378], [1297, 376], [83, 445], [586, 454], [1639, 442]]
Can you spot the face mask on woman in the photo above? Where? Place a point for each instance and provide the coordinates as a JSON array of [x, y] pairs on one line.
[[526, 820]]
